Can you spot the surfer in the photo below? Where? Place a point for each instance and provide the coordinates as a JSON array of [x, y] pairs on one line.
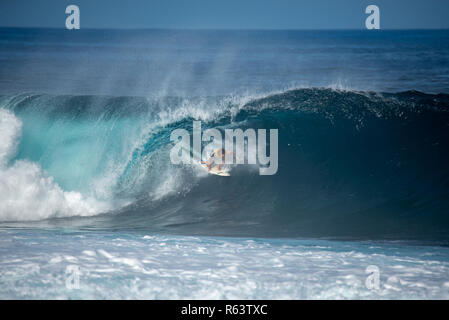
[[216, 154]]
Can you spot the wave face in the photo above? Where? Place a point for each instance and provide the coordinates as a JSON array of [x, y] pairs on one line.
[[351, 164]]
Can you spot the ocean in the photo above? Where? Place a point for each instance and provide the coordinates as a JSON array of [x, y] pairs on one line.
[[91, 207]]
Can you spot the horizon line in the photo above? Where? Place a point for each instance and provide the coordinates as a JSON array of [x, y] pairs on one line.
[[225, 29]]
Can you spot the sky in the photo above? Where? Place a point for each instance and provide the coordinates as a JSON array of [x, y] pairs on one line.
[[226, 14]]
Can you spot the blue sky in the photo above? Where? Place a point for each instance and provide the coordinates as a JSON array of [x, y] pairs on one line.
[[227, 14]]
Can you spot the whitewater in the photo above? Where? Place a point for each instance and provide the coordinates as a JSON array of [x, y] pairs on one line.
[[86, 181]]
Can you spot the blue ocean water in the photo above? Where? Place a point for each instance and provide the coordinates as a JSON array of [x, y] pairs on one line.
[[86, 181]]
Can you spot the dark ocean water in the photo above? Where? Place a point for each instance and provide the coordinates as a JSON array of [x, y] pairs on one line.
[[198, 63], [86, 178]]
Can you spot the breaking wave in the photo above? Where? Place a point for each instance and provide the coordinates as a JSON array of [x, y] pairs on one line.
[[351, 164]]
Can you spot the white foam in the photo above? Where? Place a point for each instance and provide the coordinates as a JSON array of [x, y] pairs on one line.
[[178, 267], [10, 131], [26, 191]]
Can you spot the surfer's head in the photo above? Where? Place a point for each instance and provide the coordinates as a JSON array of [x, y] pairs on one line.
[[219, 152]]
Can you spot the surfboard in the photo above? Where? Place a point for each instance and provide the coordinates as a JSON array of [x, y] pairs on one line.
[[215, 171]]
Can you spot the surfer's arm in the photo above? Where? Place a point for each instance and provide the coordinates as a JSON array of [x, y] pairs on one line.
[[208, 163]]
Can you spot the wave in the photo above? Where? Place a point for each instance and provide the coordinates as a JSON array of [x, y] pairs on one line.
[[351, 164], [28, 193]]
